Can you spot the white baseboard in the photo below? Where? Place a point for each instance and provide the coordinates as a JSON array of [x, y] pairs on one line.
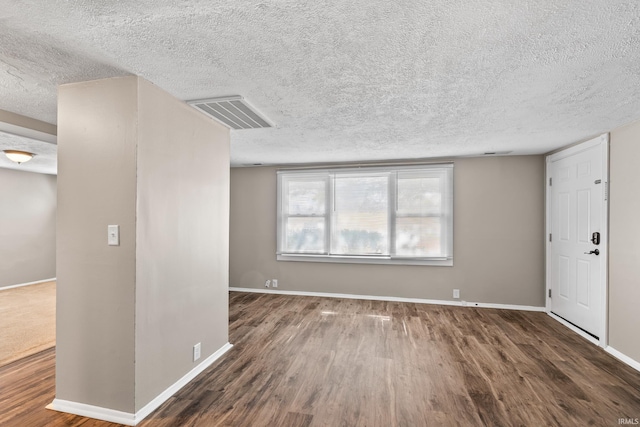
[[162, 397], [393, 299], [97, 412], [131, 419], [26, 284], [623, 357]]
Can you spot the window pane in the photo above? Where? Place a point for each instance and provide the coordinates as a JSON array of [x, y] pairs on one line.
[[304, 235], [360, 217], [418, 236], [419, 195], [306, 197], [345, 214]]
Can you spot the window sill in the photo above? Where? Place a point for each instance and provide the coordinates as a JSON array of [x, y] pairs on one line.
[[442, 262]]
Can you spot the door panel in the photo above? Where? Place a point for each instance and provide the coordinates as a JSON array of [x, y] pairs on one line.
[[564, 217], [576, 201], [584, 216], [583, 282], [563, 276]]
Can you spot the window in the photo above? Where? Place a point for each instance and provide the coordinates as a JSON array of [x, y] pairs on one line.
[[395, 215]]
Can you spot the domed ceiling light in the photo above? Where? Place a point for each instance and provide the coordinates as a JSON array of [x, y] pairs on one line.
[[18, 156]]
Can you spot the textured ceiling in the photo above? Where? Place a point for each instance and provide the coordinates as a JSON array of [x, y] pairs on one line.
[[348, 80]]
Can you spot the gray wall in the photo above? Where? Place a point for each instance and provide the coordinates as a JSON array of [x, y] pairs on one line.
[[498, 240], [182, 270], [128, 315], [97, 137], [27, 227], [624, 241]]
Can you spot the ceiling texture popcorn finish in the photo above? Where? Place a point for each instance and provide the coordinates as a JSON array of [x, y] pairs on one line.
[[349, 80]]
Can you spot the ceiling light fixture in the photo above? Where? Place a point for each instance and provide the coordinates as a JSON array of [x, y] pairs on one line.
[[18, 156]]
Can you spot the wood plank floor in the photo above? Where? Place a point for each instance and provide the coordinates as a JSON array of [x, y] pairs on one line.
[[308, 361]]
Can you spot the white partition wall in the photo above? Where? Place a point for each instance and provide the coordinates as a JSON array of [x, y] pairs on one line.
[[129, 314]]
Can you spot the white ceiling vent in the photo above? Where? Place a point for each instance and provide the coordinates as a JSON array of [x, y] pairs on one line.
[[232, 111], [496, 153]]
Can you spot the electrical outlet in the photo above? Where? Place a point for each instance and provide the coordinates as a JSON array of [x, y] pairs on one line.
[[274, 283], [196, 352], [456, 293], [267, 283]]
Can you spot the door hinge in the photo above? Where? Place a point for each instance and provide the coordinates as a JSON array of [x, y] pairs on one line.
[[550, 182], [550, 238], [549, 293], [606, 191]]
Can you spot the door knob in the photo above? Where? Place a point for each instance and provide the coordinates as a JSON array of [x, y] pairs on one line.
[[595, 252]]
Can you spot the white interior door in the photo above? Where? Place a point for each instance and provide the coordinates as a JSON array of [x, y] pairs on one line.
[[578, 234]]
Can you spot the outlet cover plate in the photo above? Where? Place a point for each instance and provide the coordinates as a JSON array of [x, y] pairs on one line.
[[196, 352]]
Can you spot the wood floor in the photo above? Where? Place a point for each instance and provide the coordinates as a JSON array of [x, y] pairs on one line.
[[308, 361]]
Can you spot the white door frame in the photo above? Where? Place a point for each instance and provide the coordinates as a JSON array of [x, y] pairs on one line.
[[603, 142]]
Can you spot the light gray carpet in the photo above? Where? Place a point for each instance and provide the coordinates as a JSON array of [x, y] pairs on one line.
[[27, 320]]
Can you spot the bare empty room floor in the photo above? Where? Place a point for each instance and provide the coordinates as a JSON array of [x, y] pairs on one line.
[[309, 361]]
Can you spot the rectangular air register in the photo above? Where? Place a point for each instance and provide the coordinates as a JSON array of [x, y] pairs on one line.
[[232, 111]]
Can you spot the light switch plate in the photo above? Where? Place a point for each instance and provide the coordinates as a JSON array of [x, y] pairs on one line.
[[113, 235]]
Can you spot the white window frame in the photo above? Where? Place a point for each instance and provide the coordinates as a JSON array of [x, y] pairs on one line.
[[392, 171]]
